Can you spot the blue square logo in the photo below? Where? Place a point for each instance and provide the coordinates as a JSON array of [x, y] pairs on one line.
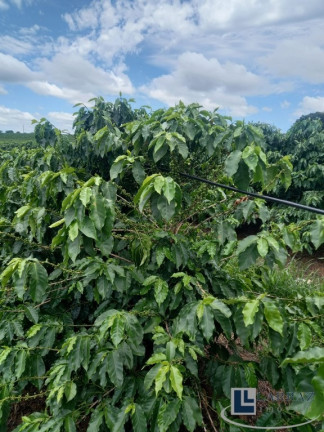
[[243, 401]]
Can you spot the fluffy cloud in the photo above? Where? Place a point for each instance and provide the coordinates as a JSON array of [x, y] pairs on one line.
[[61, 120], [14, 46], [13, 70], [210, 83], [211, 51], [310, 104], [16, 120], [13, 119], [234, 14], [80, 74], [299, 58], [76, 80]]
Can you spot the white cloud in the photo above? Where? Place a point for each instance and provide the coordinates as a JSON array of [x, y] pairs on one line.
[[14, 46], [310, 104], [209, 82], [3, 5], [14, 119], [61, 120], [13, 70], [84, 18], [76, 80], [20, 3], [3, 91], [30, 30], [299, 58], [285, 104], [266, 109], [78, 77], [218, 14]]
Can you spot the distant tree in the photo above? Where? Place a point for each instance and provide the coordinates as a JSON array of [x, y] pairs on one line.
[[9, 131], [273, 136]]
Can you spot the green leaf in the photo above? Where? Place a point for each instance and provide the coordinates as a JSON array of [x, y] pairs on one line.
[[95, 421], [115, 368], [87, 228], [70, 390], [69, 425], [250, 157], [191, 413], [222, 307], [161, 377], [170, 351], [304, 336], [74, 248], [245, 243], [85, 195], [169, 189], [176, 380], [316, 409], [161, 290], [117, 168], [232, 162], [73, 230], [273, 316], [58, 223], [313, 355], [117, 330], [317, 233], [151, 375], [31, 313], [97, 211], [248, 257], [249, 311], [138, 172], [22, 211], [144, 185], [20, 362], [158, 184], [139, 419], [38, 281], [156, 358], [263, 246], [207, 324], [167, 414], [166, 209]]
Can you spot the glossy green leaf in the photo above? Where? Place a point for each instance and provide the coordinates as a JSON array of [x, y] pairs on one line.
[[115, 368], [38, 281], [273, 316], [249, 311], [176, 379], [304, 336], [313, 355], [139, 420], [232, 162]]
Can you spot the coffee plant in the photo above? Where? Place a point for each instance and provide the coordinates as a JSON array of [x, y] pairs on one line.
[[128, 303]]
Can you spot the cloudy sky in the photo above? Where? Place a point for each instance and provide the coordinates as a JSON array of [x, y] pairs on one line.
[[259, 60]]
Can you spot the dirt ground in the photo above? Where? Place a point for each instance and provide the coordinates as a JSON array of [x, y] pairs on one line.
[[312, 264]]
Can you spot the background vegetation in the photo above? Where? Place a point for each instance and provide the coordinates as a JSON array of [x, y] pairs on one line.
[[133, 298]]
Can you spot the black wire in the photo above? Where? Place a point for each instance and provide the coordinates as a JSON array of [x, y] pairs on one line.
[[255, 195]]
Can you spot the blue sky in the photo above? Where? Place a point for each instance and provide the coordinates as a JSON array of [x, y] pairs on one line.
[[258, 60]]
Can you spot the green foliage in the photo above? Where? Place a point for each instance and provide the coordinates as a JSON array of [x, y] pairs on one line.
[[121, 297]]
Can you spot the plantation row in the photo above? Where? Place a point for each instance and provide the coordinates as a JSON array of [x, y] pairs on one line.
[[128, 303]]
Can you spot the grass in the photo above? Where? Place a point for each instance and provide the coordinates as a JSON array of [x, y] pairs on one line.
[[296, 278]]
